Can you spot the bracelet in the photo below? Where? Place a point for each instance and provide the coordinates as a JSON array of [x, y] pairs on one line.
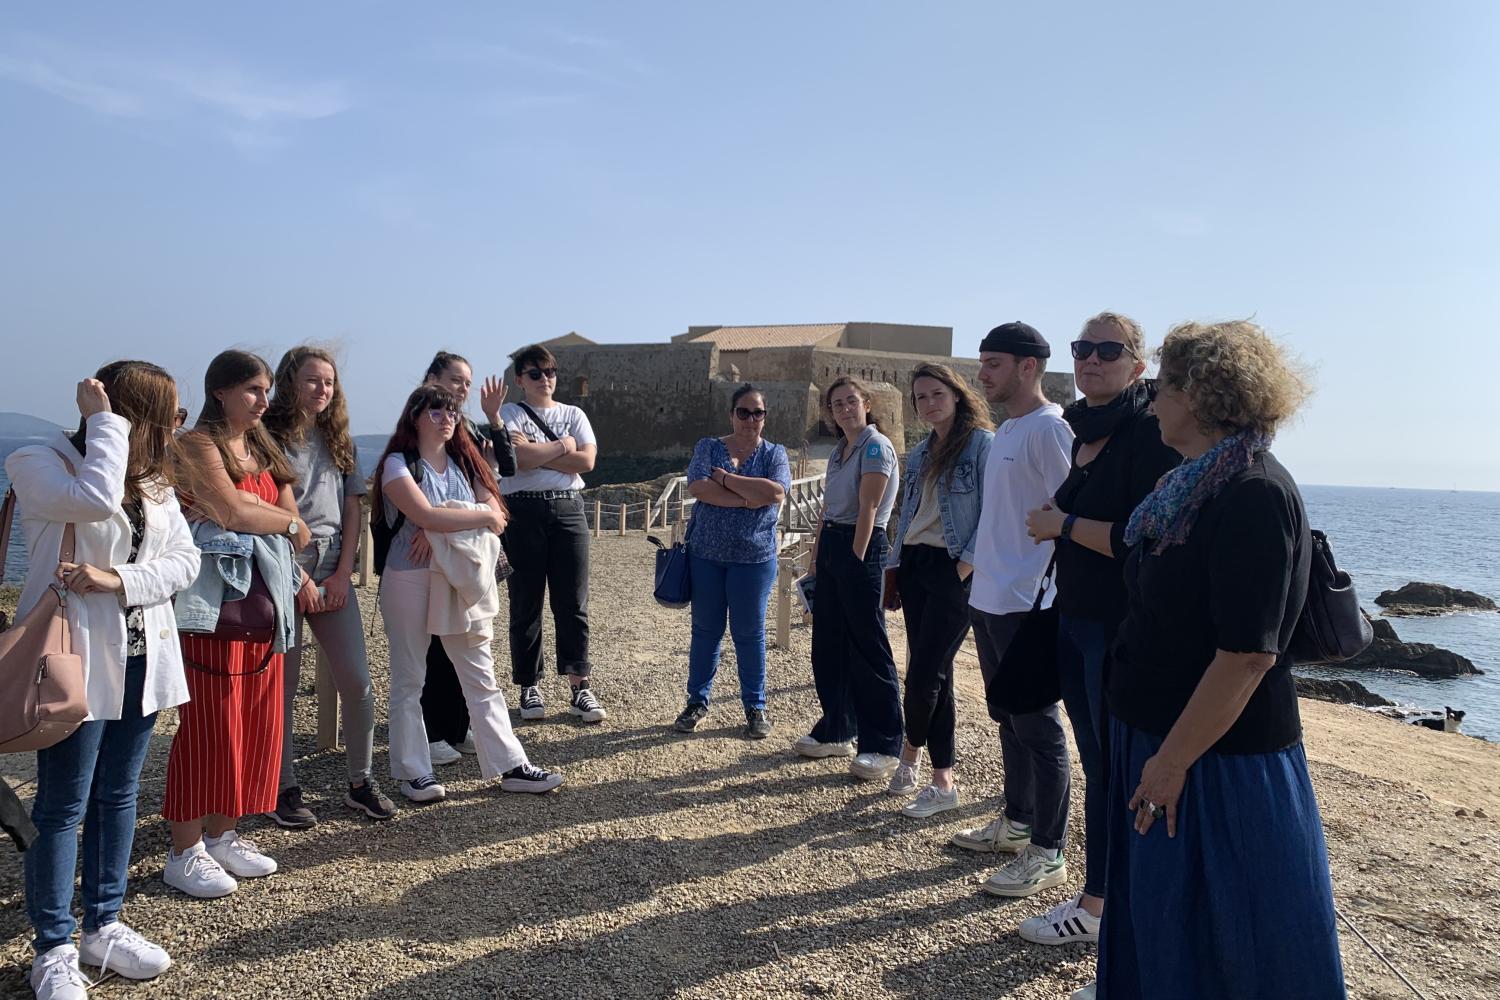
[[1066, 534]]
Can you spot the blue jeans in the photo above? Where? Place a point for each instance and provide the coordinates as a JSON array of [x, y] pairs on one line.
[[90, 778], [1082, 645], [852, 667], [741, 590]]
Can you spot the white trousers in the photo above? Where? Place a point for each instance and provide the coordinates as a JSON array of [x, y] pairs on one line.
[[403, 604]]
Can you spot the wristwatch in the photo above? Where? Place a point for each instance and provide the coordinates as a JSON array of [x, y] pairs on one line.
[[1066, 534], [291, 529]]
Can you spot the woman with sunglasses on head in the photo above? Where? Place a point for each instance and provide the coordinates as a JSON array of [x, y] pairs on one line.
[[549, 543], [429, 461], [226, 755], [927, 574], [739, 482], [111, 482], [1118, 456], [308, 417], [443, 707], [852, 666]]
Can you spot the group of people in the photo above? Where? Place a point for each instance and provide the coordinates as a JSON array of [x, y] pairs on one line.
[[1149, 513], [1174, 548], [189, 560]]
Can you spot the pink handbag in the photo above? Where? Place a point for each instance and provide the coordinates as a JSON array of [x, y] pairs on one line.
[[43, 700]]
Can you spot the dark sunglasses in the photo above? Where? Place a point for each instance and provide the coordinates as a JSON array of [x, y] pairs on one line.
[[537, 374], [745, 414], [1151, 389], [1109, 350]]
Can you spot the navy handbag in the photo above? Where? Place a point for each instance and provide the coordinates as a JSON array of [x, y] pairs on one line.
[[674, 582]]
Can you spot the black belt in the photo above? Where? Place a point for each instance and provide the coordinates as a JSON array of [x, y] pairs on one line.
[[545, 495], [840, 526]]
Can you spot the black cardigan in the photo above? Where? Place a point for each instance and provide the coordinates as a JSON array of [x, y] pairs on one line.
[[1091, 585]]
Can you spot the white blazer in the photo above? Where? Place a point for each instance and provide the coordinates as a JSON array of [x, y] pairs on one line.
[[48, 499]]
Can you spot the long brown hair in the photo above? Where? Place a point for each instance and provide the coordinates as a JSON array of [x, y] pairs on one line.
[[145, 395], [864, 393], [227, 370], [970, 413], [284, 419], [460, 447]]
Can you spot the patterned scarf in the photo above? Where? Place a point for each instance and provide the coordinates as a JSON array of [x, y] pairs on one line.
[[1169, 512]]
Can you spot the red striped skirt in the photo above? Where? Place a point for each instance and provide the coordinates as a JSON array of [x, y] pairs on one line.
[[226, 756]]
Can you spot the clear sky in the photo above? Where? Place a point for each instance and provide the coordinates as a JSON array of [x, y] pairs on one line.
[[181, 178]]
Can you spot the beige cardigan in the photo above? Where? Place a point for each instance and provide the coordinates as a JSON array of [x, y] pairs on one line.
[[463, 598]]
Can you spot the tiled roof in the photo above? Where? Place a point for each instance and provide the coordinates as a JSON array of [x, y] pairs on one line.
[[743, 338]]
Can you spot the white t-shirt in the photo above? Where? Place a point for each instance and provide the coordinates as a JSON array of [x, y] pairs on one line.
[[563, 420], [1028, 462]]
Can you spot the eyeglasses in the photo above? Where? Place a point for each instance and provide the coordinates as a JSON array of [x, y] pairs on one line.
[[745, 414], [441, 415], [1109, 350], [537, 374]]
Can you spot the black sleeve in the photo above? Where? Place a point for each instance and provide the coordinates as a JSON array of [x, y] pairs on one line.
[[505, 448], [1150, 460], [1250, 562]]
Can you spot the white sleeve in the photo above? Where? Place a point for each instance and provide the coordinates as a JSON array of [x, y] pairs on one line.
[[45, 488], [1053, 453], [155, 581], [583, 431], [511, 416], [395, 468]]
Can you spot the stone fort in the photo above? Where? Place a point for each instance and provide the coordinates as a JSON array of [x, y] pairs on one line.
[[657, 400]]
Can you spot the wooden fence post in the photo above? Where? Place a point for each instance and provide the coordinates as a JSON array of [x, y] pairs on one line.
[[783, 605], [598, 516], [328, 706], [365, 558], [622, 520]]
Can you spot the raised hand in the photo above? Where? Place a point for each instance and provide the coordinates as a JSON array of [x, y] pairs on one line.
[[492, 397], [92, 398]]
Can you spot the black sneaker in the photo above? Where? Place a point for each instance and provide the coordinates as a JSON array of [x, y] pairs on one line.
[[529, 778], [585, 705], [757, 724], [290, 813], [695, 713], [367, 798], [531, 703]]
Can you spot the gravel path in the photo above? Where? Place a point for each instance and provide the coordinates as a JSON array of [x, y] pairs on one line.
[[709, 866]]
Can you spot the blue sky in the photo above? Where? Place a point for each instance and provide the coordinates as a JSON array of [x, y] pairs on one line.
[[178, 179]]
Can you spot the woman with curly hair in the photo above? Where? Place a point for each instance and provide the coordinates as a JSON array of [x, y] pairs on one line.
[[309, 418], [1216, 840]]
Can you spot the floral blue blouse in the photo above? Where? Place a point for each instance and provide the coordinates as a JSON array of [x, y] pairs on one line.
[[736, 534]]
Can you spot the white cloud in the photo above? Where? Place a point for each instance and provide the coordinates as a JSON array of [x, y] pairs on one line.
[[39, 75]]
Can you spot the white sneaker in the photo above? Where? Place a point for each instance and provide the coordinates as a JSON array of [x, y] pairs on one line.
[[197, 873], [423, 789], [998, 836], [930, 801], [905, 780], [1033, 870], [873, 766], [809, 747], [1065, 923], [1083, 993], [442, 752], [238, 856], [55, 975], [116, 948], [467, 746]]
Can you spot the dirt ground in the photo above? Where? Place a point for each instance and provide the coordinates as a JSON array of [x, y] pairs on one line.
[[710, 866]]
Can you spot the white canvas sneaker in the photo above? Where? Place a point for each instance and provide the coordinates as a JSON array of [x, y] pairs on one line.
[[873, 766], [443, 752], [1033, 870], [196, 873], [998, 836], [117, 948], [906, 779], [55, 975], [1084, 993], [238, 856], [1066, 923], [930, 801], [806, 746]]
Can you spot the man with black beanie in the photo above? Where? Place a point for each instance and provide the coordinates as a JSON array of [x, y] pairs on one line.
[[1028, 462]]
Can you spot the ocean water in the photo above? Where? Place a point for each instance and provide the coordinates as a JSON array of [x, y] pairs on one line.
[[1383, 538]]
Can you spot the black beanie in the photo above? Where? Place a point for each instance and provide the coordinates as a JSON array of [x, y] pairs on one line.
[[1020, 339]]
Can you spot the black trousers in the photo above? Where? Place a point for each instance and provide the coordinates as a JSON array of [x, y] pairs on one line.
[[443, 707], [935, 604], [547, 542]]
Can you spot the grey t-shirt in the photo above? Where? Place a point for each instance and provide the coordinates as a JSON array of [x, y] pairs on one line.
[[873, 452], [437, 487], [320, 489]]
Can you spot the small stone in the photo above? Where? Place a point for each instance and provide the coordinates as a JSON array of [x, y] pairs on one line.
[[1460, 812]]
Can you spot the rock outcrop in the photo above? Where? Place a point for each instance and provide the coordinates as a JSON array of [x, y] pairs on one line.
[[1431, 599], [1389, 652], [1340, 692]]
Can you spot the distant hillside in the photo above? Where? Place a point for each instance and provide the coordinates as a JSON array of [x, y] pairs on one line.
[[23, 425]]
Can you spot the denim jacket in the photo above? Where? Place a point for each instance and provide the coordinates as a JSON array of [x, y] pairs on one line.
[[959, 496], [225, 576]]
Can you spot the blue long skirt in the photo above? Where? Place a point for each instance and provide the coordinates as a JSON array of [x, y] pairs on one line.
[[1237, 906]]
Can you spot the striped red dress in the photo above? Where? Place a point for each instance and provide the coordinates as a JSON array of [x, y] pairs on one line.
[[226, 756]]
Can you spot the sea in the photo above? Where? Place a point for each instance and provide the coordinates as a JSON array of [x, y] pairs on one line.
[[1384, 538]]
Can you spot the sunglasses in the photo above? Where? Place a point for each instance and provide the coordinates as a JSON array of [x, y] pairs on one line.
[[537, 374], [1152, 385], [745, 414], [1109, 350], [441, 415]]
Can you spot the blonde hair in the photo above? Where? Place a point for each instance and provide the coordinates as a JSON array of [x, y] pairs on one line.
[[1129, 330], [1235, 376]]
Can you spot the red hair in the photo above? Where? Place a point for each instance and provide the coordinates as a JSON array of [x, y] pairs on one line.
[[460, 447]]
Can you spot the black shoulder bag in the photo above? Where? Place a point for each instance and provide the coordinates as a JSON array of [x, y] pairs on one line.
[[1331, 627], [1027, 678]]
